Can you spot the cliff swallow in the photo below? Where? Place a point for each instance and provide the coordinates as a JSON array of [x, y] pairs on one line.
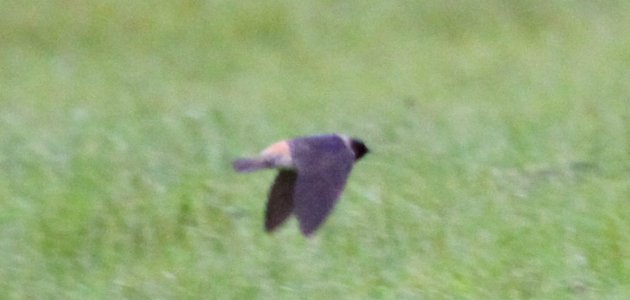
[[313, 171]]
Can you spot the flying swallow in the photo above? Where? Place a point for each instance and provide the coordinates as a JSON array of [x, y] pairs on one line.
[[313, 171]]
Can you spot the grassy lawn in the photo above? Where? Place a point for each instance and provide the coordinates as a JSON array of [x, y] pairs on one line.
[[499, 130]]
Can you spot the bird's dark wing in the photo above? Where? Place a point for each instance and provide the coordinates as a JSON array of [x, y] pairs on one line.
[[280, 202], [323, 164]]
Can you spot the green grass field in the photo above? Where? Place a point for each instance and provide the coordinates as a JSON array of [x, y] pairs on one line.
[[499, 130]]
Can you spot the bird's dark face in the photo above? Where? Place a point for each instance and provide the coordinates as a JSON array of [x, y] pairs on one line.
[[359, 148]]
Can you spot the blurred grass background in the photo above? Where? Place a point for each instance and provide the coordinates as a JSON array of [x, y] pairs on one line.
[[500, 133]]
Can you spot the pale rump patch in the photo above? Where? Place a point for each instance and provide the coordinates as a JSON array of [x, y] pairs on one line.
[[279, 148], [279, 153]]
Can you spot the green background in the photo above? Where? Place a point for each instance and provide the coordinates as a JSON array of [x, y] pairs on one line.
[[499, 130]]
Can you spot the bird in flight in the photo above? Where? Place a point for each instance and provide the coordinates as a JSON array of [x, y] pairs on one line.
[[312, 173]]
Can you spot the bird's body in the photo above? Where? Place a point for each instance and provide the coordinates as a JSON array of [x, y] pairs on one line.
[[312, 174]]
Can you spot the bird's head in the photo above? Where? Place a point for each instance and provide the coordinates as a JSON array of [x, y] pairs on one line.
[[359, 148]]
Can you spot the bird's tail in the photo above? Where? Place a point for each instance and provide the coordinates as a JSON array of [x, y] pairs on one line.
[[250, 164]]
